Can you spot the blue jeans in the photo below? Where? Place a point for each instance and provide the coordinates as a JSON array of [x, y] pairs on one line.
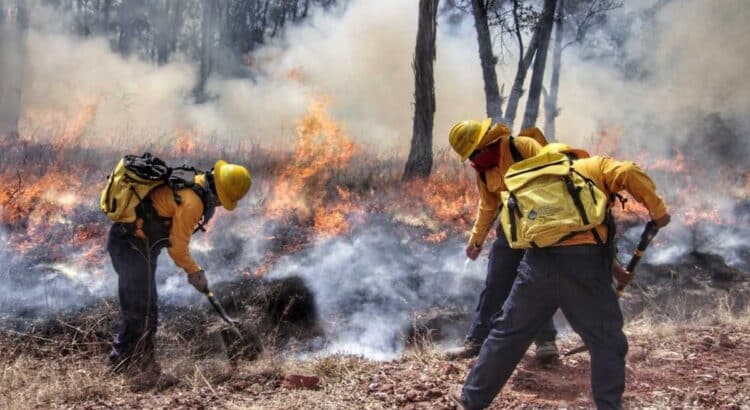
[[502, 269], [578, 280]]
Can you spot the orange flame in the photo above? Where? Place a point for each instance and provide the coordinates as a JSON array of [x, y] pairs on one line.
[[305, 186]]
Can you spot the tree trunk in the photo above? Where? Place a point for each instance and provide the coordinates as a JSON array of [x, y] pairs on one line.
[[208, 15], [12, 66], [524, 62], [162, 31], [491, 93], [540, 61], [551, 110], [419, 163]]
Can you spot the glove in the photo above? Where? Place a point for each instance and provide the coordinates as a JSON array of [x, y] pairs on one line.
[[473, 251], [199, 281]]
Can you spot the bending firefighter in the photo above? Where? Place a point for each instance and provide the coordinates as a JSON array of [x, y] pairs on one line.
[[491, 151], [170, 211], [557, 206]]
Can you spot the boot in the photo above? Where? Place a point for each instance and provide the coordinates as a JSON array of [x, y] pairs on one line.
[[149, 376], [454, 394], [470, 349], [546, 352]]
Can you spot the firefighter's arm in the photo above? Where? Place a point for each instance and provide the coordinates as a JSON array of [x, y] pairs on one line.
[[527, 147], [626, 175], [186, 217], [487, 212]]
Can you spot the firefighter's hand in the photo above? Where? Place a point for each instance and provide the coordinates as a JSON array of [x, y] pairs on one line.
[[622, 276], [663, 221], [473, 251], [199, 281]]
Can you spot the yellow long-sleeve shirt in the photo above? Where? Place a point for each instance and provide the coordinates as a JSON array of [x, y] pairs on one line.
[[493, 183], [185, 217], [613, 176]]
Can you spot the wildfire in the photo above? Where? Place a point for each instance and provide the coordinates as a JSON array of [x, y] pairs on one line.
[[75, 128], [608, 141], [306, 186], [185, 142]]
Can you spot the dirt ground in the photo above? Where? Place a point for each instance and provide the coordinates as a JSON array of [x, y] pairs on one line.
[[700, 365]]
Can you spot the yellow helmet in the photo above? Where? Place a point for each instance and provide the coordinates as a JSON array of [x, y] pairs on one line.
[[564, 148], [232, 183], [465, 136]]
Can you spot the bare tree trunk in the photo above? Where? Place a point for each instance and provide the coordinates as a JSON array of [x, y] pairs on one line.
[[540, 62], [419, 163], [524, 62], [491, 93], [162, 31], [12, 66], [208, 15], [551, 110]]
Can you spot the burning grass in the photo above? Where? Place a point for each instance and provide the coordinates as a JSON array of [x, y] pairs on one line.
[[322, 201]]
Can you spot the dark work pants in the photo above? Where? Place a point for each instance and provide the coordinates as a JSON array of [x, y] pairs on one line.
[[134, 259], [577, 280], [502, 269]]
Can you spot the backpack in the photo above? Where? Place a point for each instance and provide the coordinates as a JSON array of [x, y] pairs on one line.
[[134, 177], [548, 201]]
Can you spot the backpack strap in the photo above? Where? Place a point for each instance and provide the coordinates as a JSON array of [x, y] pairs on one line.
[[514, 152], [207, 198]]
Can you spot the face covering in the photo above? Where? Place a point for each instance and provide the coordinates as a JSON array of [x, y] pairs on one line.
[[487, 158]]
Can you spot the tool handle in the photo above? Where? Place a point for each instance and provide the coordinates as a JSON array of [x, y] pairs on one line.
[[649, 232], [223, 313]]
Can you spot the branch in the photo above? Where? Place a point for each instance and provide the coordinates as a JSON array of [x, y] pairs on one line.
[[518, 32]]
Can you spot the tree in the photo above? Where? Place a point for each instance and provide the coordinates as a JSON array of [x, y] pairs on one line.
[[13, 25], [583, 15], [540, 61], [419, 163], [525, 57], [489, 61], [551, 110], [208, 28]]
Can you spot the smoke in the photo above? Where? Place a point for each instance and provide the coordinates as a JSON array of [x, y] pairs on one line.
[[360, 55], [655, 77], [667, 73]]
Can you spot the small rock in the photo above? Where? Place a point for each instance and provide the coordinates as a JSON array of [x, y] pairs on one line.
[[300, 381], [373, 387], [708, 341]]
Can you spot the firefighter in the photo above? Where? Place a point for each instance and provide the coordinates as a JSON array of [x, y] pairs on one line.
[[574, 275], [491, 151], [166, 218]]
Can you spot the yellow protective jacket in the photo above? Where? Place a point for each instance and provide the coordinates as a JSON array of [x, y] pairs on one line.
[[493, 183], [185, 217], [613, 176]]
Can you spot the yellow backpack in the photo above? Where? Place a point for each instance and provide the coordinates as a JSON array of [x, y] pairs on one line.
[[129, 183], [548, 201]]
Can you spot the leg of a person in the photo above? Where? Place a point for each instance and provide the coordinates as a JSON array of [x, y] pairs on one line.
[[152, 315], [590, 305], [547, 333], [532, 301], [130, 263], [502, 269]]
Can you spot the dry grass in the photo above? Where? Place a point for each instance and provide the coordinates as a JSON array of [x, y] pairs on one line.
[[28, 382]]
